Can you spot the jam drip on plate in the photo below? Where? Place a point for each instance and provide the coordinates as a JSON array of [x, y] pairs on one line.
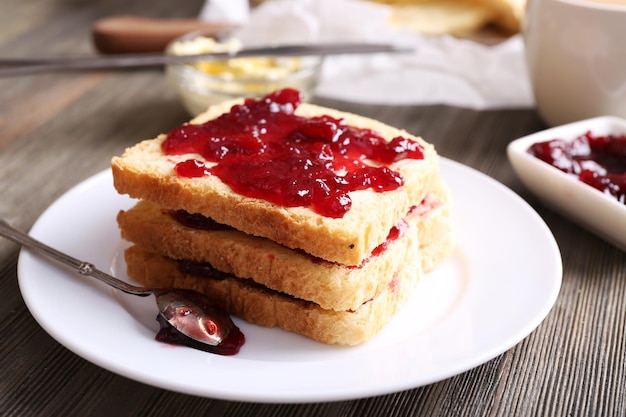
[[599, 161], [261, 149]]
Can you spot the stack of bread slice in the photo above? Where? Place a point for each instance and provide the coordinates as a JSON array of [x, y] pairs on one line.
[[337, 280]]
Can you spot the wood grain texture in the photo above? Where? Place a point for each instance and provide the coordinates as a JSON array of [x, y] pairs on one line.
[[56, 130]]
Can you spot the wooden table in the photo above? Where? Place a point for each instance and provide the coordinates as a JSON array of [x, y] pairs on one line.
[[58, 129]]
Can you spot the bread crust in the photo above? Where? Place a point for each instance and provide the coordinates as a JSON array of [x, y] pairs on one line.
[[144, 172]]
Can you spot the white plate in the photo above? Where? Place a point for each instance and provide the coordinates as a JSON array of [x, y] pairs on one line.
[[481, 302], [599, 213]]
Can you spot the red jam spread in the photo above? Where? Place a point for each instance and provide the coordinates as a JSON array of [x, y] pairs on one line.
[[599, 161], [261, 149]]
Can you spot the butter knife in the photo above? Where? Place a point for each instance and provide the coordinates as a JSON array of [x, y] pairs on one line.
[[28, 66]]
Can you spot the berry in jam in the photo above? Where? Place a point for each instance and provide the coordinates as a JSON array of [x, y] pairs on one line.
[[261, 149], [599, 161]]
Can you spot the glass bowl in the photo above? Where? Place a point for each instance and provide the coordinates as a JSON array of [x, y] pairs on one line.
[[202, 84]]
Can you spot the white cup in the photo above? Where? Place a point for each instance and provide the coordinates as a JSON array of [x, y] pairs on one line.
[[576, 56]]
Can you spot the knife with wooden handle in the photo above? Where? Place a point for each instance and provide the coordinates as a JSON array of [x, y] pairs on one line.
[[135, 34]]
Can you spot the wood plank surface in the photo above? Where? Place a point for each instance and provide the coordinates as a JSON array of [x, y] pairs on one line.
[[58, 129]]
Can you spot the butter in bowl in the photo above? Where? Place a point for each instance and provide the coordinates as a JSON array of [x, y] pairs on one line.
[[580, 170], [204, 83]]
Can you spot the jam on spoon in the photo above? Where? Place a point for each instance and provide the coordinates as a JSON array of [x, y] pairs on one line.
[[186, 317]]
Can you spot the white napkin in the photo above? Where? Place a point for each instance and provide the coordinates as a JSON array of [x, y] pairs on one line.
[[233, 11], [442, 70]]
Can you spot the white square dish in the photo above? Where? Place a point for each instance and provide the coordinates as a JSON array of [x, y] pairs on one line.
[[591, 208]]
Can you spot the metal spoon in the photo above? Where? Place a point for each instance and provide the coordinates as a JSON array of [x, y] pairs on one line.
[[186, 317]]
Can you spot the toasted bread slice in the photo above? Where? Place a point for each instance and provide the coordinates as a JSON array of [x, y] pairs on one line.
[[144, 172], [331, 285], [262, 306]]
